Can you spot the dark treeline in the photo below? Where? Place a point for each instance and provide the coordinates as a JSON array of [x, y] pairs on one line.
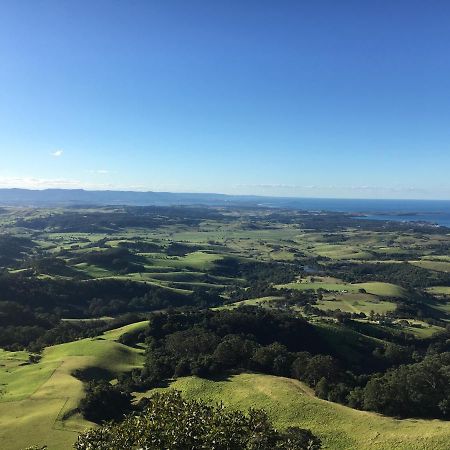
[[115, 219], [14, 248], [257, 271], [88, 298], [421, 389], [404, 274], [31, 309], [118, 259], [208, 343], [20, 328]]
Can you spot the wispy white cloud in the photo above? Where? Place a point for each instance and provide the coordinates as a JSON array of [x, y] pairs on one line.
[[57, 153], [46, 183], [66, 183]]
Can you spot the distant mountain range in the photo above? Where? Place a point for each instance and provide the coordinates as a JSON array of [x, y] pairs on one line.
[[68, 197]]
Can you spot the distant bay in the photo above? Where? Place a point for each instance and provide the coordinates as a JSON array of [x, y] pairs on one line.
[[430, 211]]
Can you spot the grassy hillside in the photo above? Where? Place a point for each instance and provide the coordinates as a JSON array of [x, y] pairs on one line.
[[290, 402], [352, 302], [439, 266], [378, 288], [37, 400]]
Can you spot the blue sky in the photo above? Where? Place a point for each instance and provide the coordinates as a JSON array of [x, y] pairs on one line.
[[290, 98]]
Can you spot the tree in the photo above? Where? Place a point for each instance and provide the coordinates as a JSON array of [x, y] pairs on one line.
[[421, 389], [300, 365], [234, 352], [322, 388], [264, 357], [197, 425], [321, 366], [104, 402]]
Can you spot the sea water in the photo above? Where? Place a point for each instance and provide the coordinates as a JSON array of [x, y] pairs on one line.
[[431, 211]]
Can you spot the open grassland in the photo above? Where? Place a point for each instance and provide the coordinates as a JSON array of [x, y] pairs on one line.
[[197, 260], [364, 245], [227, 233], [38, 400], [377, 288], [382, 289], [421, 329], [439, 290], [116, 333], [346, 302], [261, 301], [344, 252], [438, 266], [291, 403], [437, 258], [314, 286], [355, 303]]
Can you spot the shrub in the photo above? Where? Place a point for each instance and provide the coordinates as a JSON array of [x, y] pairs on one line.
[[169, 421], [104, 402]]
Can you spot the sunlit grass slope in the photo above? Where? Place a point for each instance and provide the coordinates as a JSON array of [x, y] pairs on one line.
[[378, 288], [38, 400], [289, 402]]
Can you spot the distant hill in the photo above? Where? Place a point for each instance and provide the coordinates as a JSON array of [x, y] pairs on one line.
[[67, 197]]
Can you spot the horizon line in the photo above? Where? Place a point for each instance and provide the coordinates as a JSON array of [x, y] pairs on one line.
[[293, 197]]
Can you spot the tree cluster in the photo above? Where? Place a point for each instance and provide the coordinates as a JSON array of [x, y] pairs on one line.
[[169, 421]]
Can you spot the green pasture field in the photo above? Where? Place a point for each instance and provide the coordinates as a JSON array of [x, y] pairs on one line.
[[377, 288], [345, 252], [382, 289], [314, 286], [356, 303], [261, 301], [291, 403], [437, 258], [38, 400], [228, 233], [438, 266], [422, 329]]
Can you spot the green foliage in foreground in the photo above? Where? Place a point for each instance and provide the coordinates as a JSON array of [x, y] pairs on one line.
[[169, 421]]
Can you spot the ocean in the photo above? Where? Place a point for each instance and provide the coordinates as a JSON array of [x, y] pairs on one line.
[[430, 211]]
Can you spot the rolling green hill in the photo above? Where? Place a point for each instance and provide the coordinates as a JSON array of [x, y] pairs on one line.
[[37, 400], [378, 288], [289, 402]]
